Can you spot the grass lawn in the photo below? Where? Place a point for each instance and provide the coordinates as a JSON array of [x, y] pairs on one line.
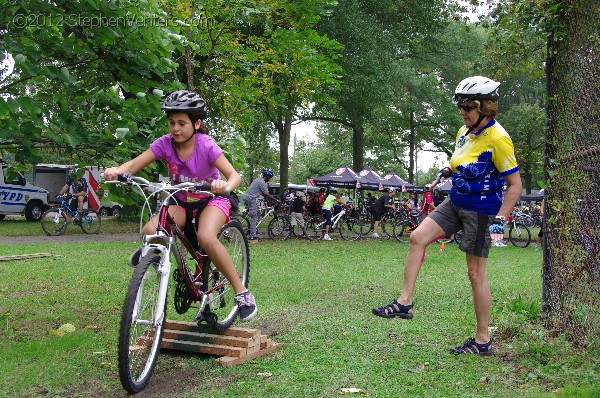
[[316, 299]]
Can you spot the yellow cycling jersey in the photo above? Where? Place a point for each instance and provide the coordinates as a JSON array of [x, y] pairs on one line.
[[480, 160]]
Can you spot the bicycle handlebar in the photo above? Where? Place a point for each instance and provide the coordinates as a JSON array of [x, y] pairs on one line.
[[129, 179]]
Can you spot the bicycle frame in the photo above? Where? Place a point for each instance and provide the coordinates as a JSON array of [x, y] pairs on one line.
[[64, 205], [168, 232], [334, 220], [269, 210]]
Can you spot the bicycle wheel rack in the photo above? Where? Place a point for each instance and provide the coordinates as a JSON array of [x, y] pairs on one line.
[[234, 345]]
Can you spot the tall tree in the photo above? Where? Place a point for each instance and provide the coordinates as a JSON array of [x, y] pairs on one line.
[[376, 37]]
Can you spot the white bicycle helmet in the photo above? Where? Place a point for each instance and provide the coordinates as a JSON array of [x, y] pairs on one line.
[[476, 88]]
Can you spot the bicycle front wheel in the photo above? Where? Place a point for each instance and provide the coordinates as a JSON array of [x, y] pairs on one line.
[[221, 304], [54, 222], [90, 221], [519, 235], [141, 328]]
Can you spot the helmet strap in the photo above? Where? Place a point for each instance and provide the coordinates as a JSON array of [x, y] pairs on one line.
[[191, 136], [474, 126]]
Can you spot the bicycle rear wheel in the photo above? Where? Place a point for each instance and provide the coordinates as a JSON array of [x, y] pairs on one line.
[[221, 304], [315, 228], [54, 222], [399, 228], [519, 235], [351, 228], [387, 229], [141, 328], [90, 221], [279, 228], [298, 231]]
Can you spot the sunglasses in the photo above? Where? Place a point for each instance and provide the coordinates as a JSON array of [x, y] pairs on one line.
[[467, 108]]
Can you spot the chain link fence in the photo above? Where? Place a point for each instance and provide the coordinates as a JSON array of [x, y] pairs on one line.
[[571, 273]]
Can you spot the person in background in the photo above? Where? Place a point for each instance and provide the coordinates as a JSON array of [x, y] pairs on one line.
[[426, 204], [317, 201], [483, 161], [438, 198], [331, 200], [78, 187], [345, 198], [298, 209], [381, 206], [257, 188], [415, 212]]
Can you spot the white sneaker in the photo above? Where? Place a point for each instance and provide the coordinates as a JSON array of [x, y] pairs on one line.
[[375, 235], [537, 247], [494, 243], [501, 243], [327, 237]]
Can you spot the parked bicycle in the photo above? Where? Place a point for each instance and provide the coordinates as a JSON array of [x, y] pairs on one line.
[[197, 282], [518, 234], [56, 219], [281, 227], [404, 223], [348, 226], [266, 209]]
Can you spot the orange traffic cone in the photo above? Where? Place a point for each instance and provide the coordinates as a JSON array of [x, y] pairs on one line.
[[443, 247]]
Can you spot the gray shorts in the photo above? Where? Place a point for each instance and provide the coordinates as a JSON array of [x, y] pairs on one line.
[[475, 227], [297, 218]]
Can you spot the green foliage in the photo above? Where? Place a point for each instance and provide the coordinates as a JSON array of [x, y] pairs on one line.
[[81, 72]]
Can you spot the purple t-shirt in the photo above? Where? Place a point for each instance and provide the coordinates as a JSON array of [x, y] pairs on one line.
[[199, 167]]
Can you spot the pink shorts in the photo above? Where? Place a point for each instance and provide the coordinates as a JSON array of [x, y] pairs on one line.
[[220, 202]]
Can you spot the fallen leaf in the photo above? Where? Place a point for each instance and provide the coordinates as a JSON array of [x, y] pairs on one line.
[[66, 328], [352, 390], [264, 374], [484, 379]]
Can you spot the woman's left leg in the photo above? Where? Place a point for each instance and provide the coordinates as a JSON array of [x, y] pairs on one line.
[[482, 297], [209, 224]]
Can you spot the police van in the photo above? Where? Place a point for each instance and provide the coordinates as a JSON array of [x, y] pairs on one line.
[[18, 197]]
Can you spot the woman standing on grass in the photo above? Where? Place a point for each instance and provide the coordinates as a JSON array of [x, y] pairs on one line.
[[482, 162]]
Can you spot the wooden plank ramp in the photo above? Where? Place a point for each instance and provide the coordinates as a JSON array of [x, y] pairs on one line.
[[234, 345], [25, 256]]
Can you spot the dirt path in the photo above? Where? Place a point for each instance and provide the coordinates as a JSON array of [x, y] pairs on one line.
[[70, 238]]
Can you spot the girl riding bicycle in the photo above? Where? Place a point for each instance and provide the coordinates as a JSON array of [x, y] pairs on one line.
[[193, 156]]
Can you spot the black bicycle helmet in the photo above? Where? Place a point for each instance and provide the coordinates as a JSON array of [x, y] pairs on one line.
[[476, 88], [267, 173], [185, 101]]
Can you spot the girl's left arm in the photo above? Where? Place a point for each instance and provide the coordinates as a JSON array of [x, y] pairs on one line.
[[232, 178]]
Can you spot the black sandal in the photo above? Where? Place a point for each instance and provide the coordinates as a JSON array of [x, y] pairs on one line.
[[394, 309], [472, 347]]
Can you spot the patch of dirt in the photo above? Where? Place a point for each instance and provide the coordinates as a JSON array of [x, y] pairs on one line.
[[176, 374], [70, 238]]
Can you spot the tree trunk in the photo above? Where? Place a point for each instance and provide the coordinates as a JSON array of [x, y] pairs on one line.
[[411, 149], [189, 68], [284, 128], [358, 134]]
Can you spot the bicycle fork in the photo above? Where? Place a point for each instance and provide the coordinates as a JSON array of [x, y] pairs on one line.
[[163, 270]]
